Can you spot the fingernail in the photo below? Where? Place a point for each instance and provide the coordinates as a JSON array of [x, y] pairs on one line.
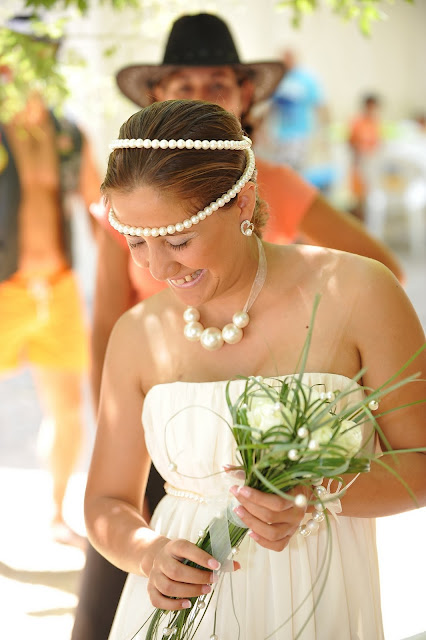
[[239, 511], [234, 489], [206, 588], [244, 491], [253, 535], [214, 564], [186, 604]]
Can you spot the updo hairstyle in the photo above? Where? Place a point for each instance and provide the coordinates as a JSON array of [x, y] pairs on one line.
[[197, 176]]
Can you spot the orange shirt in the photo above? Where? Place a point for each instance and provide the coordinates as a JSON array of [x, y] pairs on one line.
[[289, 197], [365, 134]]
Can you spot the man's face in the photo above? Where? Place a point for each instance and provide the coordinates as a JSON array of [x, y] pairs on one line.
[[211, 84]]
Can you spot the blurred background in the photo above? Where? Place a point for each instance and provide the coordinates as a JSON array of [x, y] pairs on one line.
[[39, 578]]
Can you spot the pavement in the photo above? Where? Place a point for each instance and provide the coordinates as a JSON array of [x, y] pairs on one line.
[[39, 578]]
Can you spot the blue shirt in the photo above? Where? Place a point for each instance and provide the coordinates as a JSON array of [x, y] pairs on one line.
[[295, 100]]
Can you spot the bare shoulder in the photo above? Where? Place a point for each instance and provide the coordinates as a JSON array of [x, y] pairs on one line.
[[383, 299], [317, 263], [378, 303], [137, 322], [360, 283]]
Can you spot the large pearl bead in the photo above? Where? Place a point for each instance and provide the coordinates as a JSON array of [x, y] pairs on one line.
[[318, 516], [312, 525], [301, 501], [231, 334], [211, 339], [241, 319], [373, 405], [191, 314], [193, 330], [320, 490]]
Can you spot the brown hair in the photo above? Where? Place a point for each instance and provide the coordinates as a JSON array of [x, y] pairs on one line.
[[197, 176]]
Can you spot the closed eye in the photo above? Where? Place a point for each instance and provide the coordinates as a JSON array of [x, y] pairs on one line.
[[175, 247], [135, 245], [178, 247]]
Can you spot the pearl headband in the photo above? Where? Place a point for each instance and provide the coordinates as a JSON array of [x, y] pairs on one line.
[[145, 143], [186, 224]]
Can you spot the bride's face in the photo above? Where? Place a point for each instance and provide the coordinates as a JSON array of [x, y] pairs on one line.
[[208, 260]]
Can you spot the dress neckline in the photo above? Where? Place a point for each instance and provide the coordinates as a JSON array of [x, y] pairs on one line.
[[223, 382]]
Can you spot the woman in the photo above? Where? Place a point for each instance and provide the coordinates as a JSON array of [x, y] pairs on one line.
[[200, 62], [187, 214]]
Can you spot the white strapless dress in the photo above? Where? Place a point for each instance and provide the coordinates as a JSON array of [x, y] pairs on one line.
[[189, 441]]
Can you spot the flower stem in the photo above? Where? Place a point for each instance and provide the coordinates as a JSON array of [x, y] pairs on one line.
[[182, 621]]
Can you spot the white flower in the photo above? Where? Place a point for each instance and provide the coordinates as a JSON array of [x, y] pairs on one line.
[[266, 411], [349, 436]]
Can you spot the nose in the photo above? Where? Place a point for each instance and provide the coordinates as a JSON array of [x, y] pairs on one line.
[[197, 93], [160, 265]]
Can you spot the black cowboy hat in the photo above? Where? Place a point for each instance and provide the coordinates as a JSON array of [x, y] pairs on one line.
[[202, 40]]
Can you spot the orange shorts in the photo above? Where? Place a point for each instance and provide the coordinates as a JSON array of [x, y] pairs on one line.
[[42, 322]]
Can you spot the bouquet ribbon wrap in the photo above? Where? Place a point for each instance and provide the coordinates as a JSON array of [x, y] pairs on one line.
[[219, 535]]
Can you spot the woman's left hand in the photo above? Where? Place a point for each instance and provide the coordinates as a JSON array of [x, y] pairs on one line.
[[272, 520]]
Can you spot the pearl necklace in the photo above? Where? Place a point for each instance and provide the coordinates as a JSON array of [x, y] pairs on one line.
[[213, 338]]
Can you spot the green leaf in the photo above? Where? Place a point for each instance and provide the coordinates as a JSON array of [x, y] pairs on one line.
[[364, 13]]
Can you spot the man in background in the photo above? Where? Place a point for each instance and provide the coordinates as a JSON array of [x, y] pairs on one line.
[[43, 161], [365, 137], [297, 112]]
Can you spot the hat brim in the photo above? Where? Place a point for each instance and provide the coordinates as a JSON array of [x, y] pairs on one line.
[[137, 81]]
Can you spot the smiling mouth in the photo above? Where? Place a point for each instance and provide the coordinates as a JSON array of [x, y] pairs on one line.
[[187, 279]]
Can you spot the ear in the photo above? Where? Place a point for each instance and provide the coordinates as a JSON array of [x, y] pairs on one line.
[[157, 92], [247, 91], [246, 201]]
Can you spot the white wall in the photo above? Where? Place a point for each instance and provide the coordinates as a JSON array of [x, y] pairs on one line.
[[392, 61]]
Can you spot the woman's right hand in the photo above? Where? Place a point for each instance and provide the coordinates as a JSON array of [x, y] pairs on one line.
[[171, 582]]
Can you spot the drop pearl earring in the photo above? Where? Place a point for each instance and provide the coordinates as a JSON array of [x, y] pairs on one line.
[[247, 228]]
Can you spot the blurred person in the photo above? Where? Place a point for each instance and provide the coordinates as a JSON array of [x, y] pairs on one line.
[[364, 139], [42, 320], [200, 62], [297, 115], [420, 120]]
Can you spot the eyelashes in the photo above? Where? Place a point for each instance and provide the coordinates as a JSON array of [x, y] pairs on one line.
[[175, 247], [134, 245], [179, 247]]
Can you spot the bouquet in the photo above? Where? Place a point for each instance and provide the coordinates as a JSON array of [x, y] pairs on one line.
[[288, 435]]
